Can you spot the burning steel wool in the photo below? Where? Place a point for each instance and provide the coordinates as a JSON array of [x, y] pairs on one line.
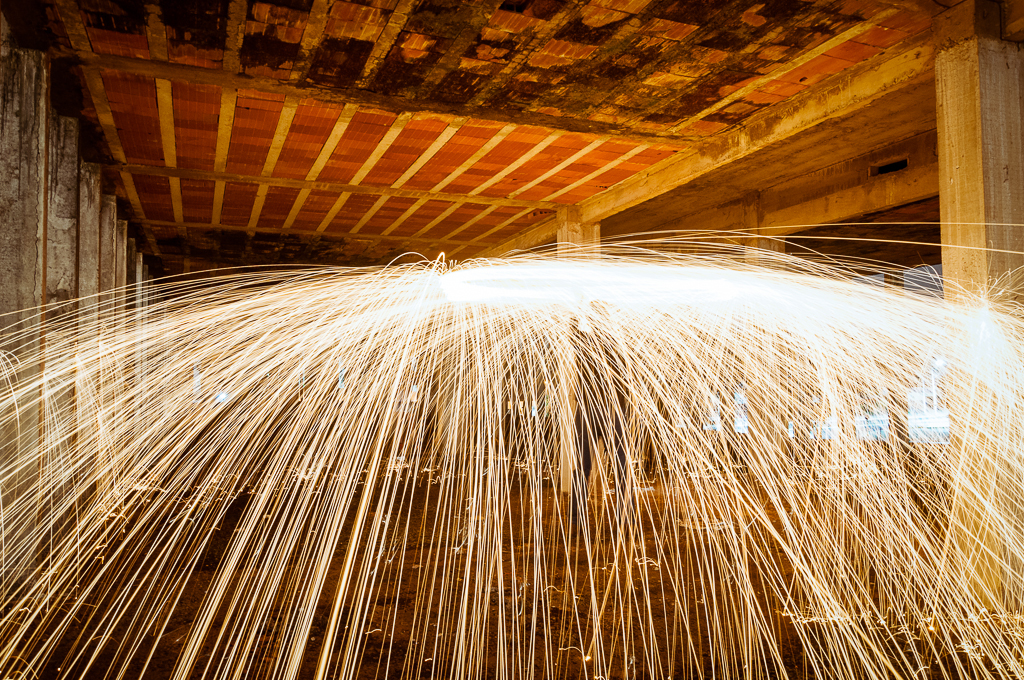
[[638, 464]]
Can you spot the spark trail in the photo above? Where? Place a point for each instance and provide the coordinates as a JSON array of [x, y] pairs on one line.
[[641, 464]]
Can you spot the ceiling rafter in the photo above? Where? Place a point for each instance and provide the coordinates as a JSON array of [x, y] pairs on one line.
[[494, 141], [453, 127], [565, 164], [326, 151]]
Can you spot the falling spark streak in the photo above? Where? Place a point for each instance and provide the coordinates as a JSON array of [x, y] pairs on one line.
[[637, 464]]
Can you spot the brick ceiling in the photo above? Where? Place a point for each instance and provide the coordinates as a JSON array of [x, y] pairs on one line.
[[329, 130]]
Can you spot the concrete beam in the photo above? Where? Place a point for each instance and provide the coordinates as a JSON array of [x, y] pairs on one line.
[[62, 215], [854, 90], [835, 193], [978, 78]]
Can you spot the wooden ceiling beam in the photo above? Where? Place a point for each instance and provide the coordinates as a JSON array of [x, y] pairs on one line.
[[327, 186], [284, 123]]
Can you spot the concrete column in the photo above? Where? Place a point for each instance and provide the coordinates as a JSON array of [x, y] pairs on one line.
[[24, 123], [89, 205], [108, 246], [62, 216], [24, 129], [979, 79], [575, 237], [121, 258], [140, 281], [129, 272], [573, 234]]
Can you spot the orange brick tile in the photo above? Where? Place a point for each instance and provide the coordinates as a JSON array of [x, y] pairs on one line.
[[238, 201]]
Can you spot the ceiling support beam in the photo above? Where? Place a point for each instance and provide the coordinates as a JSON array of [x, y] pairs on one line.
[[849, 92], [837, 193]]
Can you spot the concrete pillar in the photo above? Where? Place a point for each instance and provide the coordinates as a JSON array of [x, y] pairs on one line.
[[24, 129], [575, 237], [140, 281], [979, 80], [24, 123], [108, 246], [121, 259], [89, 205], [129, 271], [573, 234], [62, 216]]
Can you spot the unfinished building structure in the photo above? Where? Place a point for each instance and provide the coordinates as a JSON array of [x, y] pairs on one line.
[[326, 131]]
